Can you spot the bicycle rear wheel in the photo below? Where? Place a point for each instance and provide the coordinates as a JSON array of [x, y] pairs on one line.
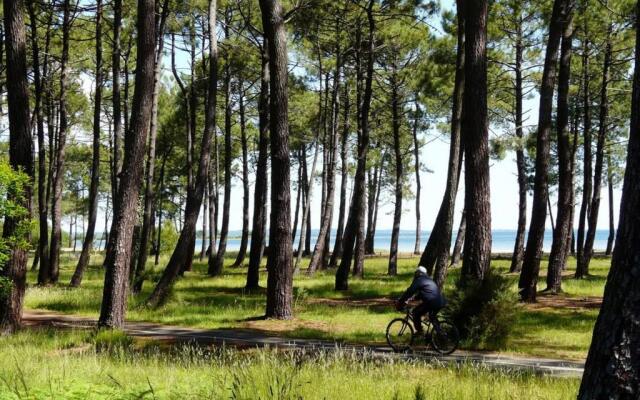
[[446, 339], [400, 335]]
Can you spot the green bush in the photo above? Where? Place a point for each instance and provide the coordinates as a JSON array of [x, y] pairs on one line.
[[168, 237], [484, 312]]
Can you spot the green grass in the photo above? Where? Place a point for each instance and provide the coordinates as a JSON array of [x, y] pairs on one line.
[[47, 363], [558, 328]]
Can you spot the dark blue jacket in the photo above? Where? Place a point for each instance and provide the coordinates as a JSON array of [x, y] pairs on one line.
[[422, 288]]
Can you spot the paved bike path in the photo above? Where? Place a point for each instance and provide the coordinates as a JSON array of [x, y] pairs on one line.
[[247, 338]]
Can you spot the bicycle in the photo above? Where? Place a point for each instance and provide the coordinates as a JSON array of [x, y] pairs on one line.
[[401, 335]]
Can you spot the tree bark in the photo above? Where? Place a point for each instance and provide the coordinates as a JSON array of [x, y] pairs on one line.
[[114, 300], [194, 197], [20, 158], [280, 277], [260, 195], [87, 244], [531, 263], [115, 97], [474, 128], [296, 213], [582, 270], [242, 252], [149, 196], [612, 370], [355, 221], [560, 245]]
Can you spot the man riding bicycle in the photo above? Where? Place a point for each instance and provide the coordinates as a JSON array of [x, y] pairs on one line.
[[424, 289]]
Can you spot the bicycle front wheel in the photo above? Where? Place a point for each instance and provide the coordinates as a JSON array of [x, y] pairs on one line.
[[400, 335], [446, 339]]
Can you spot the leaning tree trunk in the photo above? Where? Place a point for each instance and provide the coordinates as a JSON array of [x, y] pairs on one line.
[[531, 264], [216, 262], [457, 247], [116, 282], [560, 245], [337, 246], [518, 247], [149, 194], [194, 197], [317, 259], [43, 241], [87, 245], [56, 204], [242, 252], [20, 158], [582, 269], [392, 268], [440, 237], [280, 277], [475, 139], [612, 370], [587, 181], [355, 221], [416, 159], [612, 226], [260, 190]]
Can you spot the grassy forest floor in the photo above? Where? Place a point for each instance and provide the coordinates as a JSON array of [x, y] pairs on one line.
[[556, 327], [45, 362]]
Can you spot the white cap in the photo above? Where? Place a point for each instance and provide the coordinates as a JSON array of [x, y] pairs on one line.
[[421, 269]]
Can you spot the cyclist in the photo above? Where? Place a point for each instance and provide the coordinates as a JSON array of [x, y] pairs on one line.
[[424, 289]]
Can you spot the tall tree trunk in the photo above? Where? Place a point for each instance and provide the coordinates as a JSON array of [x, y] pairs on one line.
[[397, 212], [531, 264], [260, 189], [43, 242], [296, 213], [242, 252], [87, 244], [280, 277], [114, 300], [337, 246], [518, 247], [587, 181], [306, 225], [582, 269], [149, 195], [355, 221], [612, 226], [20, 158], [115, 97], [560, 245], [158, 208], [416, 158], [612, 369], [317, 259], [457, 247], [474, 128], [194, 197], [56, 205], [217, 263], [439, 243]]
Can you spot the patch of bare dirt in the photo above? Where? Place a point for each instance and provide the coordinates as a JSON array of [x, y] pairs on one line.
[[571, 303]]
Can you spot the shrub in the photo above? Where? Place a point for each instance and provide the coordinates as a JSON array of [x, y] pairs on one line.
[[484, 312], [112, 341]]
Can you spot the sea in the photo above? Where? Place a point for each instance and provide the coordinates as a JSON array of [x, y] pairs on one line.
[[503, 240]]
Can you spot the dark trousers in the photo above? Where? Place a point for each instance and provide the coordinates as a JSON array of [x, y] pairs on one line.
[[425, 308]]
